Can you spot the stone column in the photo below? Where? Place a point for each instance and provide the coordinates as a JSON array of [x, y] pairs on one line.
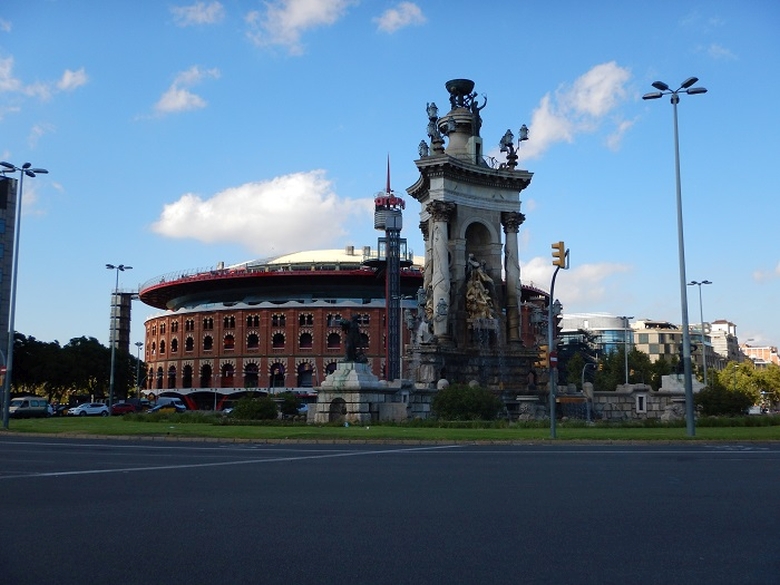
[[511, 222], [441, 213]]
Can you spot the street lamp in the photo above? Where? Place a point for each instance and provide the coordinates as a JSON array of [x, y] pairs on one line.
[[701, 317], [663, 90], [25, 169], [138, 344], [625, 342], [114, 337]]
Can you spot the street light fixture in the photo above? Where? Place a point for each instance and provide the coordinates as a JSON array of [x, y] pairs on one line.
[[113, 337], [663, 89], [701, 317], [25, 170]]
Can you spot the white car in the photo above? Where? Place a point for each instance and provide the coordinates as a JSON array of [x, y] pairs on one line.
[[89, 408]]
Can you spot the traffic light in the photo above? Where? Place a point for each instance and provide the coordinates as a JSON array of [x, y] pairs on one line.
[[544, 357], [559, 254]]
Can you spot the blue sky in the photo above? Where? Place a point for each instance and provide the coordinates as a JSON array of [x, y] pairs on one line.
[[182, 134]]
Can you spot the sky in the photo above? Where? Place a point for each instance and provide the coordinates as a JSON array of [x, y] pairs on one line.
[[181, 134]]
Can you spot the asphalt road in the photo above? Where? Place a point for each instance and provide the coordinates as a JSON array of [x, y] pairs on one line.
[[147, 512]]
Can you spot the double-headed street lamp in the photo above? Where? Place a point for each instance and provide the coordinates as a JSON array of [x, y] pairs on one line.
[[25, 170], [701, 317], [663, 89], [114, 335]]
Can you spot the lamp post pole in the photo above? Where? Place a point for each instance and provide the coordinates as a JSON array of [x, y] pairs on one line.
[[663, 89], [701, 317], [625, 343], [114, 337], [138, 344], [25, 169]]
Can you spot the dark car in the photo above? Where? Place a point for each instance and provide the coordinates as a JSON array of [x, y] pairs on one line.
[[122, 408]]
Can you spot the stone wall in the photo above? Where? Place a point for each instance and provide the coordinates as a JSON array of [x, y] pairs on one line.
[[638, 402]]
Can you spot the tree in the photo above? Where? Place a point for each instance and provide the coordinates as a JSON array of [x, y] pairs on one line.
[[466, 402], [732, 391]]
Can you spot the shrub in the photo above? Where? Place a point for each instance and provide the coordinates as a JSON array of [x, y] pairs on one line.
[[720, 401], [461, 402], [255, 409]]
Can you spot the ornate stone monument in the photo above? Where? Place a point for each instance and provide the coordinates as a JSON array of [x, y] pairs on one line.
[[475, 315]]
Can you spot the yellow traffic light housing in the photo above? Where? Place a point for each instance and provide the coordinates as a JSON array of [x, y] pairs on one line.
[[559, 254], [544, 357]]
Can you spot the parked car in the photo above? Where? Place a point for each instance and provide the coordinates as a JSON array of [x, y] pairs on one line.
[[28, 407], [122, 408], [168, 407], [61, 410], [89, 409]]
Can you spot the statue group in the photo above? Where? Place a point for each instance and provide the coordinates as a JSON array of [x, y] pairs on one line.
[[353, 340]]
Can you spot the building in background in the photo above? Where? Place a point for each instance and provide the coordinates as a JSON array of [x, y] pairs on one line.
[[762, 355]]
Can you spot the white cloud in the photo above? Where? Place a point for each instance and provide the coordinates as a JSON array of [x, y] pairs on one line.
[[5, 25], [178, 97], [290, 212], [7, 80], [37, 131], [586, 106], [719, 52], [198, 13], [765, 275], [70, 80], [585, 284], [284, 21], [403, 15]]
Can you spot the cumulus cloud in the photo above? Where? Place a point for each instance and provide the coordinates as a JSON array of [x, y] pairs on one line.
[[587, 105], [403, 15], [284, 21], [719, 52], [586, 284], [198, 13], [178, 97], [70, 80], [9, 83], [287, 213], [765, 275]]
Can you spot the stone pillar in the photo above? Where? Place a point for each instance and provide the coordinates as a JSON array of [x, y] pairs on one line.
[[441, 213], [511, 222]]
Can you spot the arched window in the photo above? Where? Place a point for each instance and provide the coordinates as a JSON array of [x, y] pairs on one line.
[[162, 328], [305, 341], [229, 343], [162, 346], [208, 343], [189, 344], [252, 341], [227, 376], [251, 376], [334, 340], [205, 376], [174, 345], [277, 376], [253, 321], [159, 379], [277, 341], [172, 377], [305, 319], [186, 376]]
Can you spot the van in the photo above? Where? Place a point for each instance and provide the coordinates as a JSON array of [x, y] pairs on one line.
[[177, 402], [28, 407]]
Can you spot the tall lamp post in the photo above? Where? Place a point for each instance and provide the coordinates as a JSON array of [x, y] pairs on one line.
[[663, 89], [139, 345], [25, 169], [625, 342], [701, 317], [114, 338]]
